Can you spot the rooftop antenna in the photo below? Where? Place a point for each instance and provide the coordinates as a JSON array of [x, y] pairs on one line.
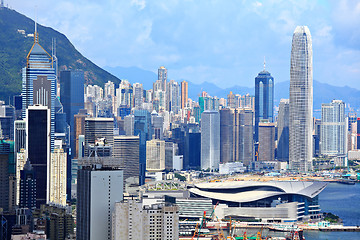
[[36, 36], [264, 63]]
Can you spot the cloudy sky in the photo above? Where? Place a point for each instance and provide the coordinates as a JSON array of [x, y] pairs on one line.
[[223, 42]]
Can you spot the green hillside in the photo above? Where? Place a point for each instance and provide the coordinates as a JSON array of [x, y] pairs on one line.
[[14, 47]]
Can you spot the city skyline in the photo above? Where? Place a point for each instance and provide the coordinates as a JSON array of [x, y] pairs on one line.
[[218, 49]]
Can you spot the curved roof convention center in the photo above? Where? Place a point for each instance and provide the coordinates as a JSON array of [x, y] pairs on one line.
[[249, 191]]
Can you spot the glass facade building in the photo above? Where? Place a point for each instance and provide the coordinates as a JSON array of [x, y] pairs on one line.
[[301, 101], [264, 99]]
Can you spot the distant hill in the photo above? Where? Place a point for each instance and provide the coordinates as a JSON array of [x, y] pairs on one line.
[[14, 47]]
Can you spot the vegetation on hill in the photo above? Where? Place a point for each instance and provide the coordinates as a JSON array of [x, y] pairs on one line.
[[15, 45]]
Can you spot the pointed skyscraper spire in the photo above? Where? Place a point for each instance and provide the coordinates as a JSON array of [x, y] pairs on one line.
[[264, 63]]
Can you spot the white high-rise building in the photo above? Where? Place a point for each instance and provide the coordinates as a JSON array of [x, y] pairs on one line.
[[138, 95], [98, 189], [333, 131], [210, 140], [132, 220], [301, 100], [155, 155]]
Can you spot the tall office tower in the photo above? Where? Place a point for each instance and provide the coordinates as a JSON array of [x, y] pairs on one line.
[[7, 174], [39, 83], [266, 147], [264, 99], [129, 121], [79, 129], [231, 103], [138, 90], [38, 149], [173, 101], [246, 148], [184, 94], [301, 100], [98, 128], [210, 140], [27, 193], [155, 155], [333, 136], [97, 191], [228, 135], [142, 128], [162, 76], [132, 220], [124, 94], [236, 136], [58, 177], [126, 153], [283, 131], [157, 124], [72, 98]]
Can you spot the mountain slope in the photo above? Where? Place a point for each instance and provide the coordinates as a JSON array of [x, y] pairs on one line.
[[14, 47]]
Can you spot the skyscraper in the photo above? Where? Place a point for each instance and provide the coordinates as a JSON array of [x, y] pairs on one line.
[[138, 95], [39, 82], [72, 98], [264, 99], [236, 135], [162, 76], [333, 128], [38, 149], [210, 140], [126, 152], [184, 94], [301, 100], [97, 191]]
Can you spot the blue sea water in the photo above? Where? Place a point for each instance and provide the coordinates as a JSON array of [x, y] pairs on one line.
[[344, 201]]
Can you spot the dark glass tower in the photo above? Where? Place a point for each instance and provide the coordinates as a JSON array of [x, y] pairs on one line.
[[142, 128], [72, 95], [27, 187], [38, 147], [264, 99]]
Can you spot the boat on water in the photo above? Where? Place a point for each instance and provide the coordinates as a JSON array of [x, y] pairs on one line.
[[346, 181], [285, 228]]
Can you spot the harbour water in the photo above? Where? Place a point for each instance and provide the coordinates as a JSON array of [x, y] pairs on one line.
[[344, 201]]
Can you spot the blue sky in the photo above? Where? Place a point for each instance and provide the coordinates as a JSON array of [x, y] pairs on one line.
[[223, 42]]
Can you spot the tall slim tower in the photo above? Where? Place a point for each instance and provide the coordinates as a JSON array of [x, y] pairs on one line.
[[162, 75], [301, 100], [264, 99], [184, 94]]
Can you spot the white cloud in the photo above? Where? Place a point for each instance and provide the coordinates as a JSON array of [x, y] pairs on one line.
[[141, 4]]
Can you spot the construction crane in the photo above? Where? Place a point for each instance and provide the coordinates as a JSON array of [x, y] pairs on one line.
[[203, 223]]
